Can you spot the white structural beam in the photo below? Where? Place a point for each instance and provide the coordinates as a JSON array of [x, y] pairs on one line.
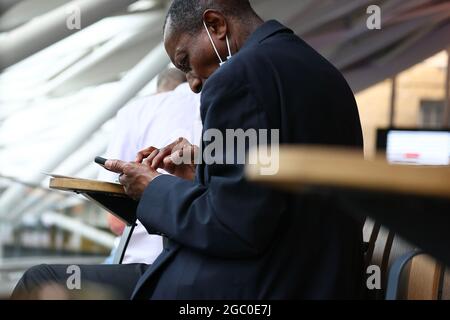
[[74, 164], [48, 203], [90, 61], [132, 83], [19, 12], [51, 27], [73, 225], [110, 60]]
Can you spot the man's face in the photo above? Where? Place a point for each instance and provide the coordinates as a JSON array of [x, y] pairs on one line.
[[192, 54]]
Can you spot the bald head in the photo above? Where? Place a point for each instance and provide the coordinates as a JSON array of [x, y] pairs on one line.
[[187, 15], [169, 79]]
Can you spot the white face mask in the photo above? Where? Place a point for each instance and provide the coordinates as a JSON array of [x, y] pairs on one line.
[[215, 48]]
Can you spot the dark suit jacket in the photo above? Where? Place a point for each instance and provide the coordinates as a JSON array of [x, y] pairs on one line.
[[234, 240]]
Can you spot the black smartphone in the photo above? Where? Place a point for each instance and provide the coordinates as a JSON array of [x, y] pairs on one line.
[[101, 161]]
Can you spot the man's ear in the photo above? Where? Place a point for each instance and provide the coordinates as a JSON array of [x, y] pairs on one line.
[[216, 23]]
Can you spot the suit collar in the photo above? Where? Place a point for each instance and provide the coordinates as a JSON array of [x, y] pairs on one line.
[[265, 31]]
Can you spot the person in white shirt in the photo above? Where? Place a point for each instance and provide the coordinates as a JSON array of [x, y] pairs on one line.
[[152, 121]]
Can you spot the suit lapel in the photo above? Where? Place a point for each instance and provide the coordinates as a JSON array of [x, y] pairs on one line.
[[145, 281]]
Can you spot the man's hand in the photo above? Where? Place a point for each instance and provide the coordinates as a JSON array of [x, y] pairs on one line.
[[135, 177], [177, 158]]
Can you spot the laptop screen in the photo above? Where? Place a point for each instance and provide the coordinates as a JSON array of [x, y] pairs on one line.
[[416, 147]]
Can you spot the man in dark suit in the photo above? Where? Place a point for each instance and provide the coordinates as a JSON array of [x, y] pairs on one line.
[[227, 238]]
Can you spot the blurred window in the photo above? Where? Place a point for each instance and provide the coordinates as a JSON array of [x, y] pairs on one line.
[[431, 113]]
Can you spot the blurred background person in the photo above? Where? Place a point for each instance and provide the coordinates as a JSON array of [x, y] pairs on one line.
[[169, 80], [153, 120]]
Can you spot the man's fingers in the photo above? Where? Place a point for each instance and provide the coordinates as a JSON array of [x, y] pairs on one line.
[[157, 161], [169, 166], [146, 162], [156, 157], [116, 166], [152, 156], [123, 180], [144, 154]]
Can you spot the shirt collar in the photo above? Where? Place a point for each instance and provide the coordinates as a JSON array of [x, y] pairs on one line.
[[265, 31]]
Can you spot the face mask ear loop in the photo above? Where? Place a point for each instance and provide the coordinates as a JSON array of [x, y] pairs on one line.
[[212, 42], [229, 50]]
